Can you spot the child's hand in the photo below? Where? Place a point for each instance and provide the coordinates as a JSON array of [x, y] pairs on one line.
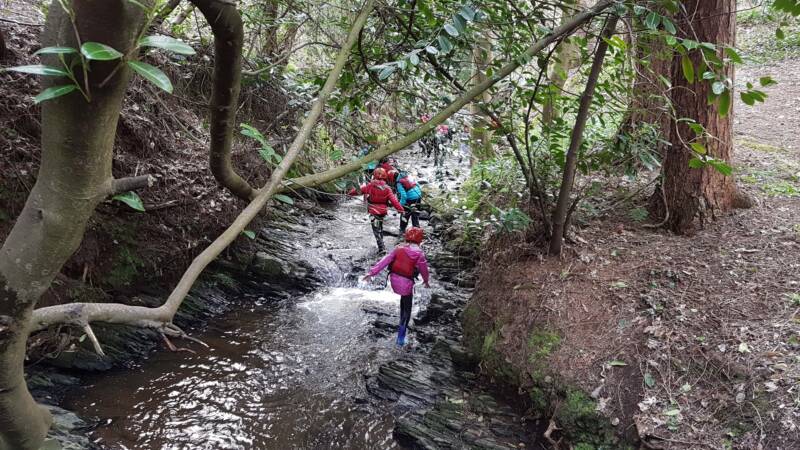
[[427, 285], [367, 278]]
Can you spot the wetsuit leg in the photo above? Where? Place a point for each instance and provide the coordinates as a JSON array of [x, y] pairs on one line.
[[414, 212], [405, 310], [377, 230], [404, 219]]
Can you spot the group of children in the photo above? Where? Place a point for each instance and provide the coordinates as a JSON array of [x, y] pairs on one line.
[[407, 260]]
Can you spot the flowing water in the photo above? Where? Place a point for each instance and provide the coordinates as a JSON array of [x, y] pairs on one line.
[[279, 373]]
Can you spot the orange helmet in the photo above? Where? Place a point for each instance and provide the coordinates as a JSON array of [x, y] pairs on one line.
[[379, 174], [414, 235]]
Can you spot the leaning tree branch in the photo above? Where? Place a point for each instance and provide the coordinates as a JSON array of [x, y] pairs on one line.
[[226, 24], [160, 317]]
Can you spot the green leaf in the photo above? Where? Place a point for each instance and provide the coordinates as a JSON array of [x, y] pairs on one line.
[[698, 148], [451, 30], [720, 166], [55, 51], [386, 72], [696, 163], [617, 363], [166, 43], [697, 128], [690, 44], [96, 51], [733, 55], [432, 50], [718, 87], [53, 92], [688, 68], [249, 234], [252, 132], [747, 98], [672, 412], [131, 199], [39, 69], [152, 74], [284, 198], [779, 33], [413, 58], [668, 25], [444, 44], [767, 81], [337, 154], [459, 23], [649, 381], [467, 12], [652, 20], [725, 103]]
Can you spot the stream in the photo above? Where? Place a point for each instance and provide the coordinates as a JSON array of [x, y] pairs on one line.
[[292, 371]]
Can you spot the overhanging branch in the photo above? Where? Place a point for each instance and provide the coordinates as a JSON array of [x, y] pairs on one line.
[[226, 24]]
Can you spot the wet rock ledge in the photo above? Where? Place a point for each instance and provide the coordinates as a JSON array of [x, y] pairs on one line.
[[437, 400]]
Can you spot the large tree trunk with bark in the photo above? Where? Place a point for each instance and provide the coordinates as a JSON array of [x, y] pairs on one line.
[[691, 196], [75, 175]]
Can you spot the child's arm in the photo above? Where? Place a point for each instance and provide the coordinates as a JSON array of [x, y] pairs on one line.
[[396, 204], [385, 261], [422, 265]]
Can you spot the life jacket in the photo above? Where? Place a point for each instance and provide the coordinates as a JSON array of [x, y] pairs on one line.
[[407, 182], [403, 264], [378, 193]]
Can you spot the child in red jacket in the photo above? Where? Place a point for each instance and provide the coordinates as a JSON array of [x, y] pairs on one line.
[[378, 195]]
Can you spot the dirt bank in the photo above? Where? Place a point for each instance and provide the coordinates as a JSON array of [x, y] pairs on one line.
[[682, 342]]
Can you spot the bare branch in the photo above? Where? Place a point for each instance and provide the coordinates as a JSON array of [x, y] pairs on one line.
[[95, 343], [131, 184]]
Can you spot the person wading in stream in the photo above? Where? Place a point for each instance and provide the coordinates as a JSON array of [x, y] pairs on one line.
[[410, 198], [378, 195], [405, 262]]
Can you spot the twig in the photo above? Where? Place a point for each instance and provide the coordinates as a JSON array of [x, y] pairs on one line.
[[26, 24], [95, 343]]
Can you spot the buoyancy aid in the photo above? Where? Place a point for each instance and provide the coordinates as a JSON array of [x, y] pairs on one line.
[[378, 192], [403, 264], [407, 182]]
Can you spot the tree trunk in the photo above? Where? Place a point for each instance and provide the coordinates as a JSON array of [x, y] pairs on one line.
[[481, 135], [690, 196], [75, 175], [576, 140]]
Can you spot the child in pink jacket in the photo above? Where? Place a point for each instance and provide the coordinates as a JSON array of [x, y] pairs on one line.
[[405, 261]]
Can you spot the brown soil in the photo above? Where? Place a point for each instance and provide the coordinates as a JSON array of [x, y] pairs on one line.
[[707, 327]]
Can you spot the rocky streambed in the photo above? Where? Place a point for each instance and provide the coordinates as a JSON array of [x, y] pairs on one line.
[[301, 356]]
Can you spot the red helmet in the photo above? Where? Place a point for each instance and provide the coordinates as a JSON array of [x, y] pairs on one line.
[[414, 235], [379, 174]]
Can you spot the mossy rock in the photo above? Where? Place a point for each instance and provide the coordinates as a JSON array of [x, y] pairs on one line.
[[579, 420]]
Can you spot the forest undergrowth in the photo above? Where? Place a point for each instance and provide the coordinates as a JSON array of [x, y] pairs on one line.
[[678, 341]]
